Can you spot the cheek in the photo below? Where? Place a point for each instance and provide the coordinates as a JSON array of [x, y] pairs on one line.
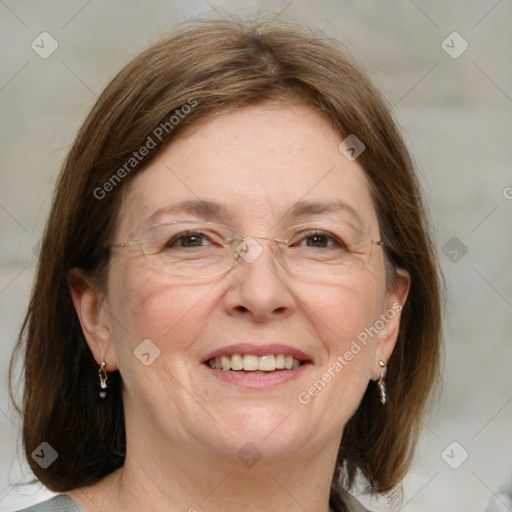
[[342, 316], [145, 306], [341, 312]]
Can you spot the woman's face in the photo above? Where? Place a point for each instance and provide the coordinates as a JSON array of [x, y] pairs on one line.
[[260, 170]]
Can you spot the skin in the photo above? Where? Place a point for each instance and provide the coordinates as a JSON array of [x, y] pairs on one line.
[[185, 427]]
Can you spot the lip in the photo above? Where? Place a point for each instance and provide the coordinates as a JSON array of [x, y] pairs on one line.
[[253, 380], [259, 350]]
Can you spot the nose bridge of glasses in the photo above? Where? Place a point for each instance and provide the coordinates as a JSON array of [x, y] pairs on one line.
[[248, 249]]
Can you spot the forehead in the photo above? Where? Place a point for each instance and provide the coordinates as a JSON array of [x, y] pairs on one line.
[[257, 163]]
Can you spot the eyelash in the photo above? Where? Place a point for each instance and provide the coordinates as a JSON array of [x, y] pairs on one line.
[[331, 239], [185, 235]]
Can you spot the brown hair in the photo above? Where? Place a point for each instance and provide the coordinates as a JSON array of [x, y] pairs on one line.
[[216, 66]]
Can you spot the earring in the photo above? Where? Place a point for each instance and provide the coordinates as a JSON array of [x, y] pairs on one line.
[[380, 383], [102, 372]]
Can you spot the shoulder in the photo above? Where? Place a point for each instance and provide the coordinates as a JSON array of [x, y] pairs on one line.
[[60, 503]]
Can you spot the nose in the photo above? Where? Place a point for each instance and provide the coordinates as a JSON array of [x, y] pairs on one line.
[[258, 288]]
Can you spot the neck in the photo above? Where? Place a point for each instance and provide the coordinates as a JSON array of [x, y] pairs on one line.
[[174, 481]]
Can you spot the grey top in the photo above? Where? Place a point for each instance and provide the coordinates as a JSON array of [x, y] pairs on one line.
[[60, 503], [64, 503]]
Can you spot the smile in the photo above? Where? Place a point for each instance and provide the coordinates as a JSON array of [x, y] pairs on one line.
[[254, 363]]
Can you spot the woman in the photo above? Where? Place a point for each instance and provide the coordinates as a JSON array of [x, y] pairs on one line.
[[237, 301]]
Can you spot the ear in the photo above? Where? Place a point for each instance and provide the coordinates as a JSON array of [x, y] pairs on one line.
[[91, 309], [388, 335]]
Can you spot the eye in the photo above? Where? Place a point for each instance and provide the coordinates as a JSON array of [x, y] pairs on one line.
[[189, 239], [319, 240]]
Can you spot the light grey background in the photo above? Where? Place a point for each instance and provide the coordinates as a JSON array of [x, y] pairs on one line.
[[456, 115]]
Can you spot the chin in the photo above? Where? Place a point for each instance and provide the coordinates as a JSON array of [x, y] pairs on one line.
[[276, 432]]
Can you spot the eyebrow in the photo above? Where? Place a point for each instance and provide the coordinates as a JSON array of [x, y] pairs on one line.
[[304, 208], [209, 210], [204, 209]]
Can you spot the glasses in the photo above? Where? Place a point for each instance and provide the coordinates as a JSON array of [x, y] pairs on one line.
[[205, 249]]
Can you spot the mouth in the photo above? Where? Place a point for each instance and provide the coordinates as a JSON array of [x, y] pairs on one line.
[[254, 363], [257, 366]]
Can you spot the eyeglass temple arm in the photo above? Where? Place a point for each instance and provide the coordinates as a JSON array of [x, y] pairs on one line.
[[124, 244]]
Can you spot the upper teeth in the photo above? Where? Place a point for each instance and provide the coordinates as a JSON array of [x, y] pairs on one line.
[[249, 362]]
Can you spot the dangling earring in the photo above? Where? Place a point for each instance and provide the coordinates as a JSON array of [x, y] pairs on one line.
[[380, 383], [102, 372]]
